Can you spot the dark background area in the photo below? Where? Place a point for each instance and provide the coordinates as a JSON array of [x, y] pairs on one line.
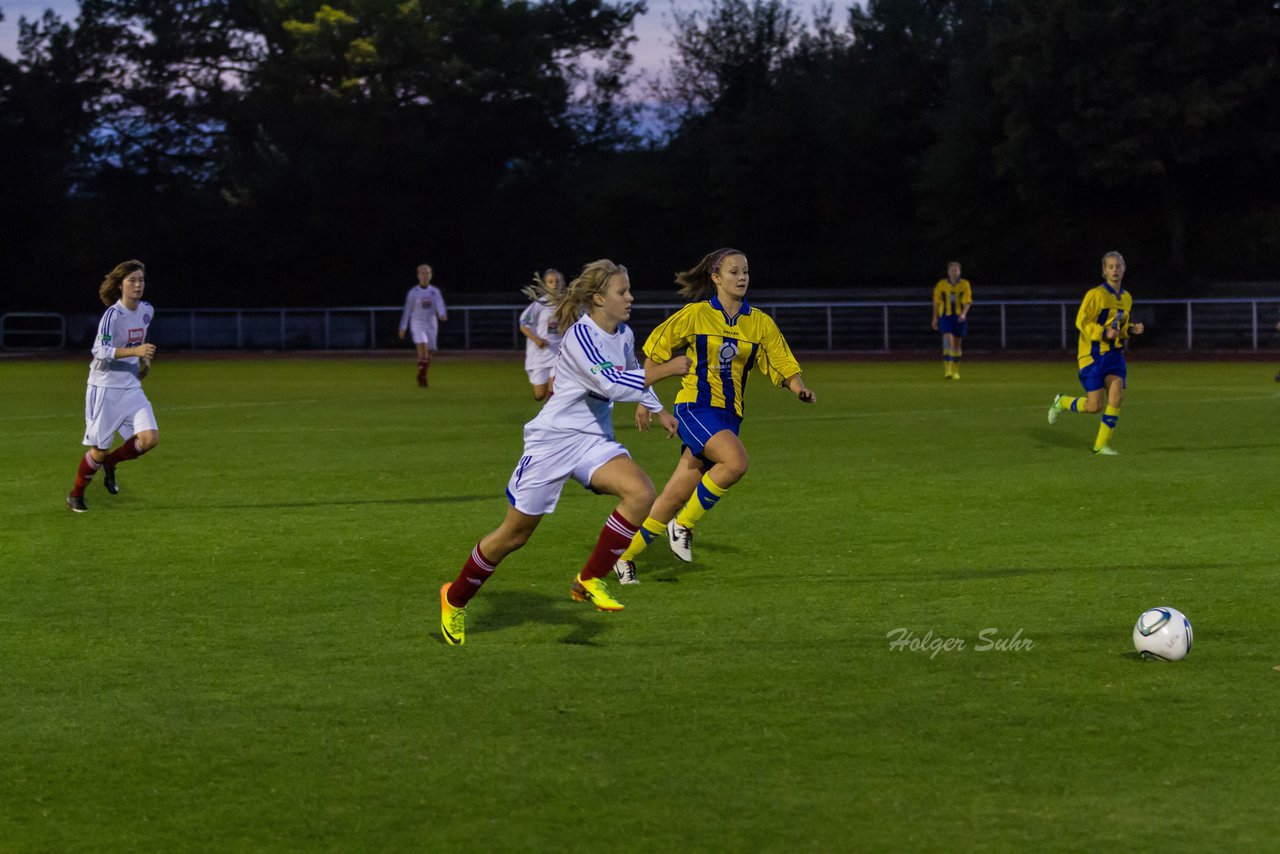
[[289, 153]]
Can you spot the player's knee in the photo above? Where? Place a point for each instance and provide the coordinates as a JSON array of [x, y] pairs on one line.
[[1092, 408], [148, 440]]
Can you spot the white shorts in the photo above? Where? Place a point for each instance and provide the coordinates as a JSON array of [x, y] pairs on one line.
[[108, 411], [540, 475], [541, 376], [424, 335]]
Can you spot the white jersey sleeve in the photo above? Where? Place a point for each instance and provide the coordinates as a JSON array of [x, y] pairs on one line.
[[650, 400], [409, 301], [591, 374]]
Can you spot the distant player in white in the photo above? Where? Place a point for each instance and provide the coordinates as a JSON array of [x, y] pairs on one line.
[[572, 437], [114, 401], [538, 324], [423, 308]]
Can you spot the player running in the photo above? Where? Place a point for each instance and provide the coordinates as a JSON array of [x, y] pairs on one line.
[[424, 308], [114, 401], [572, 437], [1105, 326], [538, 324], [726, 339]]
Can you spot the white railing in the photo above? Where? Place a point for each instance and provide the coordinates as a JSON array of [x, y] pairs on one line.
[[1235, 324]]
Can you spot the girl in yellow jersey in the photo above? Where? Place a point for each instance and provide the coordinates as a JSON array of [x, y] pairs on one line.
[[725, 338], [952, 298], [1105, 327]]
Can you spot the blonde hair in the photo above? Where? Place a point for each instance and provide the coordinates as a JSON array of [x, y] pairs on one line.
[[1113, 254], [113, 285], [696, 283], [575, 299], [539, 288]]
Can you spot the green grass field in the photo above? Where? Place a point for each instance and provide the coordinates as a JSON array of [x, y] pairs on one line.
[[241, 650]]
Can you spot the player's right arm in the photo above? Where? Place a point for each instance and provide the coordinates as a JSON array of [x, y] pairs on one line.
[[1091, 308], [937, 303], [529, 324], [408, 310], [672, 335]]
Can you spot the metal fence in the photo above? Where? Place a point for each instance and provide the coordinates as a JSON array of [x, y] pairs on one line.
[[1237, 324]]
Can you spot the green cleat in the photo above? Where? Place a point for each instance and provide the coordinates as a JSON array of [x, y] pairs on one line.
[[453, 620], [1054, 411], [595, 591], [1106, 451]]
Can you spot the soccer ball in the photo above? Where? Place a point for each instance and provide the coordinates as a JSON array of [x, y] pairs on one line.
[[1163, 633]]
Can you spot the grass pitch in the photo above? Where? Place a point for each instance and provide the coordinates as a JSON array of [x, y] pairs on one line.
[[240, 651]]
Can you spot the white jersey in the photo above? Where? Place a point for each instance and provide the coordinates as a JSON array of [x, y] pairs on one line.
[[595, 368], [119, 328], [422, 306], [540, 318]]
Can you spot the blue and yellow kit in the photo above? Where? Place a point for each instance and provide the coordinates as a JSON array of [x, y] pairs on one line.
[[950, 299], [1101, 308], [723, 352]]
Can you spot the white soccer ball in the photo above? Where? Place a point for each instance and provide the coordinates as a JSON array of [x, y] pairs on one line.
[[1163, 633]]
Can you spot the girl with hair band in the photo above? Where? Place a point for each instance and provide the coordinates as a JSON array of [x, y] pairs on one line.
[[726, 339], [572, 437], [538, 324], [114, 401]]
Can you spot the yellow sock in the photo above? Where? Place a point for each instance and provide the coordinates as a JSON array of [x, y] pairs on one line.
[[650, 529], [702, 500], [1110, 416], [1071, 404]]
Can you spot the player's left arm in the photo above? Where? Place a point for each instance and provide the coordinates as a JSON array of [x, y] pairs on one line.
[[442, 310], [795, 383], [966, 300]]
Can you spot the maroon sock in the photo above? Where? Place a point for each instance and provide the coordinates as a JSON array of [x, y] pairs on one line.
[[475, 572], [88, 467], [128, 451], [422, 369], [615, 536]]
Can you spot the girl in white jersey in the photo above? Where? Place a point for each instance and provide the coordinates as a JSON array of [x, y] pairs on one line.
[[114, 401], [538, 324], [424, 308], [572, 437]]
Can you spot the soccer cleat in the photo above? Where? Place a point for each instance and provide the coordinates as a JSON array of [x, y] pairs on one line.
[[1054, 411], [680, 539], [955, 373], [626, 572], [453, 620], [109, 478], [76, 503], [1106, 451], [595, 591]]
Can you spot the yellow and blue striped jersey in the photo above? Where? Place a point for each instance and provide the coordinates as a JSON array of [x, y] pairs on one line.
[[723, 350], [1102, 307], [950, 299]]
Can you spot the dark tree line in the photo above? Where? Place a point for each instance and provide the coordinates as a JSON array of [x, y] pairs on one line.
[[295, 151]]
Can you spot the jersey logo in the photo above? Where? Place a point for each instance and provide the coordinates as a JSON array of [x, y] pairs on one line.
[[426, 303], [146, 318], [603, 366], [728, 352], [136, 336], [106, 339]]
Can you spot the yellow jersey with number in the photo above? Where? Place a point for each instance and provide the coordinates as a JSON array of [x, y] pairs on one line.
[[1102, 308]]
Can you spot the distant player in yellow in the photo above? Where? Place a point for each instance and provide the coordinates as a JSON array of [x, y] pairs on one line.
[[726, 339], [1105, 327], [952, 297]]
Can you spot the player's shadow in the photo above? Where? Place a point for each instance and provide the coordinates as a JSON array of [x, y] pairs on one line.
[[665, 568], [512, 608], [355, 502], [1199, 449], [1048, 437]]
